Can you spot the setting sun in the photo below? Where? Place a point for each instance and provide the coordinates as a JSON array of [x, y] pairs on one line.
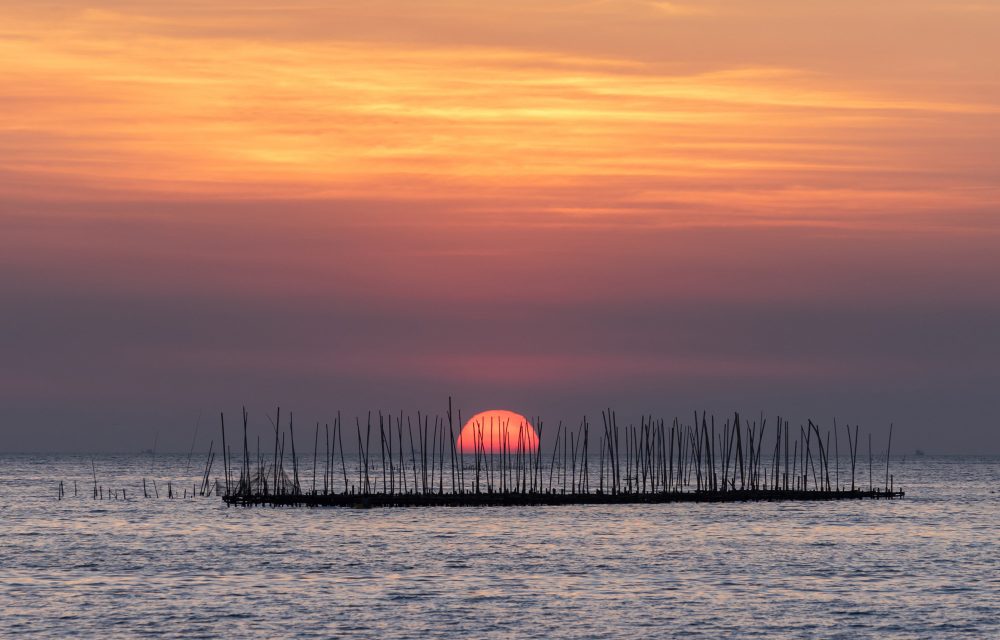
[[497, 430]]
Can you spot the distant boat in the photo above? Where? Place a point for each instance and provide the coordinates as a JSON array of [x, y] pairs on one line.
[[919, 452], [152, 452]]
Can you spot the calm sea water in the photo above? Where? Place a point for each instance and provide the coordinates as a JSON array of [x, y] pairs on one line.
[[927, 566]]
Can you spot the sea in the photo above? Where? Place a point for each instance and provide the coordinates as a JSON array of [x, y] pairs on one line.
[[925, 566]]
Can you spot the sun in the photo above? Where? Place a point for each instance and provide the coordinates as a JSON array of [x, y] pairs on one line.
[[497, 430]]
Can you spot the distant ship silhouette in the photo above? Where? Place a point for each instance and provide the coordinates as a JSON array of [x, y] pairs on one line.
[[152, 452]]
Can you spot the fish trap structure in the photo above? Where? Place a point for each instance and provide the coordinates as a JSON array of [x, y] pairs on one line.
[[420, 464]]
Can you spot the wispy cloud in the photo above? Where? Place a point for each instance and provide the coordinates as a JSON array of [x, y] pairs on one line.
[[684, 9]]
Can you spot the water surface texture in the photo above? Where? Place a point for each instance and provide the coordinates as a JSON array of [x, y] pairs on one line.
[[922, 567]]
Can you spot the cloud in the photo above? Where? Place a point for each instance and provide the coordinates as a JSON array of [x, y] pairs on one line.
[[683, 9], [108, 105]]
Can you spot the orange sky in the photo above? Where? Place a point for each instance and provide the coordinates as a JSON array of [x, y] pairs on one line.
[[684, 112], [539, 205]]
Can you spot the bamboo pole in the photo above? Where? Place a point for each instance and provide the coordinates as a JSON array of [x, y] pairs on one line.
[[225, 458], [888, 451]]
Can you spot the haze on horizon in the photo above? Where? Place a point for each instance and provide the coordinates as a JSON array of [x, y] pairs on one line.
[[550, 207]]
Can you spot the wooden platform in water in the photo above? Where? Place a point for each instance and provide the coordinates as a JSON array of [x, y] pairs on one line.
[[517, 499]]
